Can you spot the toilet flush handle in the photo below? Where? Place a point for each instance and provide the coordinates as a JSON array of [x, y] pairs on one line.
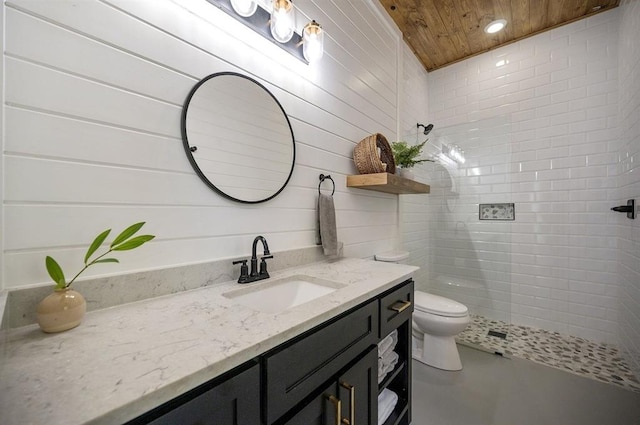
[[400, 306]]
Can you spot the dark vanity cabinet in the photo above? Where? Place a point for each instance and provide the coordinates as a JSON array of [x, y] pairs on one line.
[[325, 376]]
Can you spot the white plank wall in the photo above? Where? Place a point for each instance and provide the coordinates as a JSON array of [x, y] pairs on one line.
[[92, 99]]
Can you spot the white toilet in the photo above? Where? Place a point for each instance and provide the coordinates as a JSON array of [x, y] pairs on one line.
[[436, 322]]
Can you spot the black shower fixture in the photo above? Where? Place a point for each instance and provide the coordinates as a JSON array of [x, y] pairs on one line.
[[427, 128], [629, 209]]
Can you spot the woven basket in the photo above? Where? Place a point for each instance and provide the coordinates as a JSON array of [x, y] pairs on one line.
[[366, 157]]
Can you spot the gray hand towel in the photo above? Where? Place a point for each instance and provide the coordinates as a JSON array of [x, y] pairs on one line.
[[327, 234]]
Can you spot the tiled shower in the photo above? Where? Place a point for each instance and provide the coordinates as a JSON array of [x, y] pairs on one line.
[[550, 124]]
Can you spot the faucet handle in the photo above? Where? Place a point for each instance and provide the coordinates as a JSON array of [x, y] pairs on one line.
[[263, 265], [244, 271]]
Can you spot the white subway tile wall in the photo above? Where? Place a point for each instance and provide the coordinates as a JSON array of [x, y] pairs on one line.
[[629, 182], [538, 121]]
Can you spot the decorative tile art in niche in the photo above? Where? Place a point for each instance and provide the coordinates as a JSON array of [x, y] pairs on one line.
[[497, 212]]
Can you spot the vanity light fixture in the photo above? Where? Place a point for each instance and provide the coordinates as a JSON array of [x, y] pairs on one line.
[[244, 8], [282, 20], [312, 41], [275, 21], [495, 26]]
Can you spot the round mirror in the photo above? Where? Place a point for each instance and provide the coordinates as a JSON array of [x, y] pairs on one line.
[[238, 137]]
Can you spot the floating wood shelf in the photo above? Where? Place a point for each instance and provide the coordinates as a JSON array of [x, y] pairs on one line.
[[388, 183]]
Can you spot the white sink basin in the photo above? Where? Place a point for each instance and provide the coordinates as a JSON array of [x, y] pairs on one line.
[[274, 296]]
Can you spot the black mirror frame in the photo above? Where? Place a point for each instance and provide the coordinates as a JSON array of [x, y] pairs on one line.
[[188, 151]]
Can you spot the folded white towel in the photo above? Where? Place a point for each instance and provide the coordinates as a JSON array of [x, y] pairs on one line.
[[386, 364], [389, 359], [387, 401], [388, 343]]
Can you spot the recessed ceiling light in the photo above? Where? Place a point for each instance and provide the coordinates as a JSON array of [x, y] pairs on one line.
[[495, 26]]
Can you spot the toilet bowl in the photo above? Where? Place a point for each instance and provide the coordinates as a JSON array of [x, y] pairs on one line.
[[436, 322]]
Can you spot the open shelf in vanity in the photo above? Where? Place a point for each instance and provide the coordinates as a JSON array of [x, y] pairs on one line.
[[399, 379]]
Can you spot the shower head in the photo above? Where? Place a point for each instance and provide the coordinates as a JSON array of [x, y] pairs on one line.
[[427, 128]]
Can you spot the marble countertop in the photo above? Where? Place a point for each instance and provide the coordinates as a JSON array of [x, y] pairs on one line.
[[125, 360]]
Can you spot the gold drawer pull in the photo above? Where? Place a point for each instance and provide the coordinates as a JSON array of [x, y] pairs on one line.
[[352, 404], [338, 406], [400, 306]]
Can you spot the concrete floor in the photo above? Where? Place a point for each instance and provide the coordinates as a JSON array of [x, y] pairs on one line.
[[493, 390]]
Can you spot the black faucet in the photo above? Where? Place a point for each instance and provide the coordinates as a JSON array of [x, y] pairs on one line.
[[255, 274]]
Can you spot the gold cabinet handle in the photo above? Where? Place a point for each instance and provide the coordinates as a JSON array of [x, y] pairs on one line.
[[338, 407], [400, 306], [352, 404]]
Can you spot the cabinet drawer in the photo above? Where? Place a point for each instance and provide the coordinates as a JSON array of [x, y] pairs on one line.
[[396, 307], [231, 399], [295, 370]]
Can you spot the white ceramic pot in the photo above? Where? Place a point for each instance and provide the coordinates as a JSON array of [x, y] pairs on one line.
[[406, 173]]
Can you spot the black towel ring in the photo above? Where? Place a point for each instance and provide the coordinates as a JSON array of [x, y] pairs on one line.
[[327, 177]]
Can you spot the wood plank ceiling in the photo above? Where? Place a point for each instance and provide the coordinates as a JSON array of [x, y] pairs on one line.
[[442, 32]]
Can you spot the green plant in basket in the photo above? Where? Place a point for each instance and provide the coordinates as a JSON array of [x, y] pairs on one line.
[[406, 155], [125, 241]]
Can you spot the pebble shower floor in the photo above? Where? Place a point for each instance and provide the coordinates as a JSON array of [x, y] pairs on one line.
[[576, 355]]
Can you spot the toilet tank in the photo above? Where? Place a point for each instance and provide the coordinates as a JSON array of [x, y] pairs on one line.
[[393, 257]]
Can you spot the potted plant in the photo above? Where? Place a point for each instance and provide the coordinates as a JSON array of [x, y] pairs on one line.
[[406, 155], [65, 308]]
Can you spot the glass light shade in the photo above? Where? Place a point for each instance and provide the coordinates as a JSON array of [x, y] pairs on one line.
[[244, 8], [282, 20], [312, 41]]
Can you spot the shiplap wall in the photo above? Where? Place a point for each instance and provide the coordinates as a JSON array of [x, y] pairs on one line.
[[629, 182], [93, 96]]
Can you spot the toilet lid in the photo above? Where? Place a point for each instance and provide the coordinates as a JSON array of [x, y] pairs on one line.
[[438, 305], [392, 256]]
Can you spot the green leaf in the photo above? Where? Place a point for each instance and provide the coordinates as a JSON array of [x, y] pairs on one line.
[[106, 260], [405, 155], [96, 244], [133, 243], [127, 233], [55, 271]]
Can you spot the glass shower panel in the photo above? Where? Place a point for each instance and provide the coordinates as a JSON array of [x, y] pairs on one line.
[[463, 254]]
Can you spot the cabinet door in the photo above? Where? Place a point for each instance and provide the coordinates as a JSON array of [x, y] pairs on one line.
[[322, 410], [352, 400], [235, 401], [358, 391]]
